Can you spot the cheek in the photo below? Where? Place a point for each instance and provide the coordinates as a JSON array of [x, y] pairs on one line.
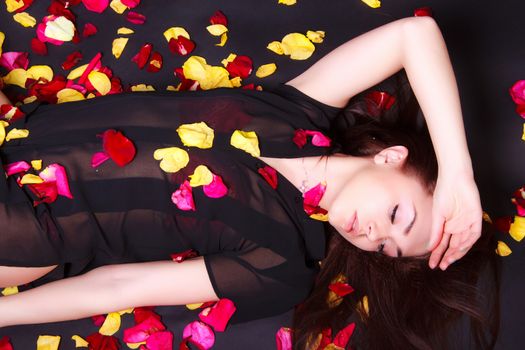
[[362, 243]]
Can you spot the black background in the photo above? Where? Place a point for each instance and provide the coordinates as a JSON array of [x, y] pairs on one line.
[[485, 40]]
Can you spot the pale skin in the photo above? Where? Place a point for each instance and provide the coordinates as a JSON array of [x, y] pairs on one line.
[[415, 44]]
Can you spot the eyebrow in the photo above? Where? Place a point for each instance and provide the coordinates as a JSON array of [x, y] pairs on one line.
[[407, 230]]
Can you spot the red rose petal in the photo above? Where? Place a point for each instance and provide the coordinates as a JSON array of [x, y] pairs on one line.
[[89, 30], [142, 313], [38, 47], [58, 8], [181, 45], [116, 86], [187, 254], [130, 3], [16, 167], [12, 60], [98, 341], [10, 112], [218, 315], [241, 66], [155, 62], [46, 192], [118, 147], [47, 91], [135, 17], [219, 18], [143, 330], [343, 336], [142, 57], [97, 6], [269, 174], [249, 86], [92, 64], [326, 338], [299, 138], [71, 60], [379, 101], [341, 289], [5, 343], [26, 3], [423, 11], [186, 84], [520, 109], [98, 320], [518, 198], [502, 224]]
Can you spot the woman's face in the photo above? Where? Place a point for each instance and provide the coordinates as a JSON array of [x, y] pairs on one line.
[[383, 209]]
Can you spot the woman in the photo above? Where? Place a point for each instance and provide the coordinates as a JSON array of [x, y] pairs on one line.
[[126, 221]]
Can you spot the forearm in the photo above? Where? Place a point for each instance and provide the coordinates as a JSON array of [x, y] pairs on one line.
[[107, 289], [427, 64]]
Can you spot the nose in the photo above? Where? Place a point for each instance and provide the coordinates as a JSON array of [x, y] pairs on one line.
[[374, 232]]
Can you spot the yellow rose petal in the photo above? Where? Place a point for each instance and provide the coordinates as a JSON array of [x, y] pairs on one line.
[[363, 308], [100, 82], [17, 76], [111, 324], [315, 36], [13, 5], [201, 176], [29, 179], [135, 345], [16, 134], [79, 341], [208, 77], [9, 291], [523, 135], [118, 46], [224, 38], [287, 2], [29, 99], [298, 46], [228, 59], [195, 68], [236, 82], [125, 31], [320, 217], [40, 71], [503, 249], [266, 70], [2, 38], [60, 28], [126, 311], [3, 125], [517, 228], [276, 47], [246, 141], [217, 29], [77, 72], [36, 164], [486, 217], [196, 135], [194, 306], [69, 95], [172, 159], [25, 19], [175, 32], [48, 342], [171, 88], [118, 6], [90, 95], [142, 87], [372, 3]]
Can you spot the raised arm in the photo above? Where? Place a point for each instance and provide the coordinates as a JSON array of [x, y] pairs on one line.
[[415, 44], [110, 288]]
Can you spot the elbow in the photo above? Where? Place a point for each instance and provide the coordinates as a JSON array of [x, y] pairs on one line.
[[423, 25]]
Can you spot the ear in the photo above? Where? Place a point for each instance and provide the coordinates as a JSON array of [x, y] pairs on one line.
[[394, 155]]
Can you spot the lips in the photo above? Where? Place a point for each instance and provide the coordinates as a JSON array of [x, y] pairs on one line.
[[352, 225]]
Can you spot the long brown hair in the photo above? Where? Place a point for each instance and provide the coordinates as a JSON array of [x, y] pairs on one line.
[[411, 306]]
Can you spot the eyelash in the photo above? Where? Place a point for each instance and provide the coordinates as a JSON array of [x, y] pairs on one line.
[[393, 215], [381, 247]]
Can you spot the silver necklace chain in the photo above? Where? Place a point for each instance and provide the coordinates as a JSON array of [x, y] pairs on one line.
[[304, 184]]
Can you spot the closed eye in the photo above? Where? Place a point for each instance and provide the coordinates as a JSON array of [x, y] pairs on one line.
[[393, 214]]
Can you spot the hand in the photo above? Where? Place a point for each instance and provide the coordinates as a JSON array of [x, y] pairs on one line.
[[456, 219]]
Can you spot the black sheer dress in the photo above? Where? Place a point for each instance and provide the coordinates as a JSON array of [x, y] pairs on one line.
[[259, 246]]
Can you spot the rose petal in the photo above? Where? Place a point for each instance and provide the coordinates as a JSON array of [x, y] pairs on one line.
[[46, 192], [48, 91], [14, 5], [12, 60], [201, 176], [341, 289], [199, 334], [125, 31], [518, 198], [372, 3], [10, 112], [219, 18], [379, 101], [269, 174], [172, 158], [142, 57], [96, 5], [118, 147], [183, 197], [100, 82], [218, 315], [187, 254], [3, 125], [343, 336], [266, 70], [59, 29], [196, 135], [283, 338], [142, 87], [276, 47], [69, 95], [318, 139], [99, 341], [79, 341], [47, 342], [118, 46], [118, 6], [240, 66], [38, 47], [313, 196], [98, 320], [9, 291], [57, 173], [181, 45], [299, 138], [71, 60], [94, 63], [135, 17], [36, 164], [209, 77], [423, 11], [25, 19], [131, 3], [517, 92], [502, 224], [246, 141], [155, 63], [224, 38], [503, 249], [315, 36], [140, 314], [298, 46], [89, 30], [216, 189], [5, 343], [142, 331], [15, 134], [17, 167], [160, 341], [111, 324], [517, 228], [216, 29]]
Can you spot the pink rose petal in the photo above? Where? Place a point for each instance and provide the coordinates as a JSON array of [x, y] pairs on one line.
[[56, 172], [17, 167], [318, 139], [160, 341], [98, 158], [218, 315], [283, 338], [142, 331], [96, 5], [216, 188], [199, 334], [135, 17], [12, 60], [183, 197], [517, 92]]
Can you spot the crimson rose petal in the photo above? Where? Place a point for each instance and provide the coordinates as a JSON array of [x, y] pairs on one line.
[[142, 57], [269, 174], [12, 60], [341, 289], [5, 343], [155, 63], [283, 338], [218, 315], [343, 336], [423, 11], [219, 18], [181, 45], [46, 192], [118, 147], [98, 341], [187, 254], [38, 47], [71, 60], [142, 313], [241, 66], [135, 17], [89, 30]]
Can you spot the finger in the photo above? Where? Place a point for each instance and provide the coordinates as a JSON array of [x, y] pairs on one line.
[[437, 253], [436, 231], [454, 251]]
